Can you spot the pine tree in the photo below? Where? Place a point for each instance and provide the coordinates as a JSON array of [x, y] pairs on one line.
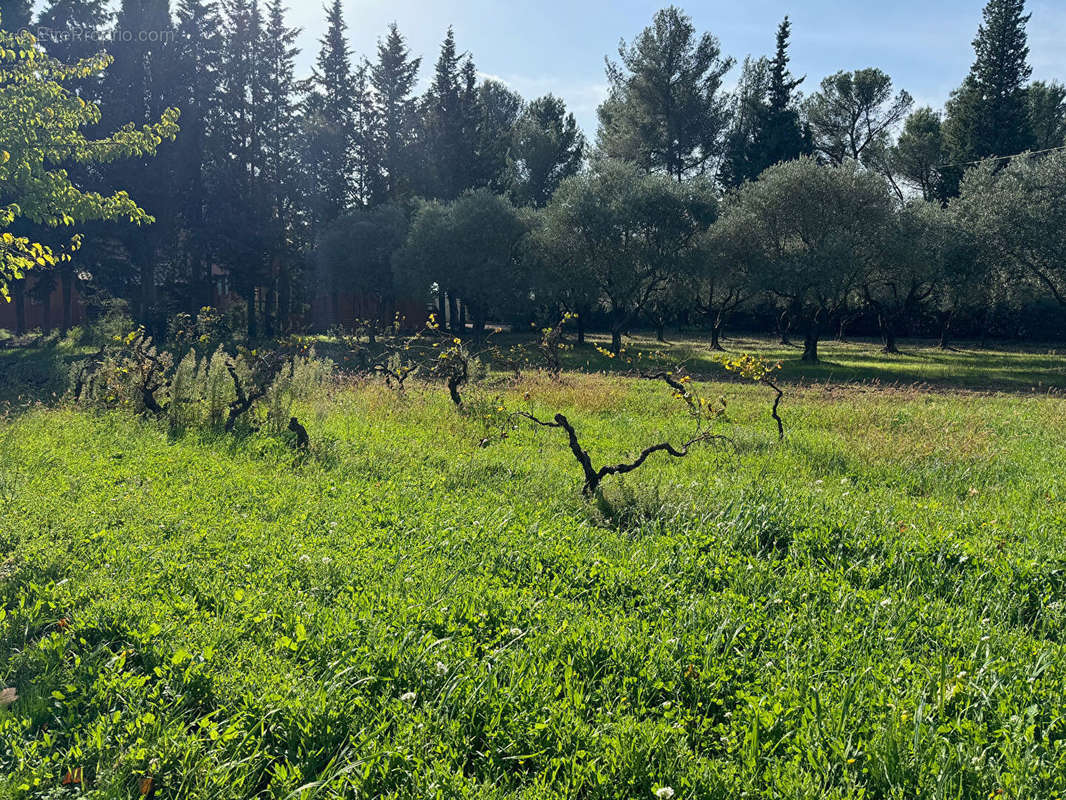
[[70, 28], [370, 185], [666, 111], [989, 114], [498, 110], [547, 148], [197, 77], [240, 225], [393, 78], [15, 14], [279, 132], [137, 88], [449, 121], [749, 104], [329, 111]]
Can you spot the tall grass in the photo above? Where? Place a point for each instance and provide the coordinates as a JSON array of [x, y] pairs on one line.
[[872, 609]]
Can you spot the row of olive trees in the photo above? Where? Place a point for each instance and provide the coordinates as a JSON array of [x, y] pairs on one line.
[[817, 241]]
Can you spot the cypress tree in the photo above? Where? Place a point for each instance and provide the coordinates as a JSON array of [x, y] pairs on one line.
[[779, 136], [989, 114], [547, 148], [369, 177], [498, 108]]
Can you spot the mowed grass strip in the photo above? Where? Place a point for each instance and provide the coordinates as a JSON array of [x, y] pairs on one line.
[[873, 608]]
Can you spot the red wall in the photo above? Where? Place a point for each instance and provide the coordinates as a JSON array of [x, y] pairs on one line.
[[35, 311]]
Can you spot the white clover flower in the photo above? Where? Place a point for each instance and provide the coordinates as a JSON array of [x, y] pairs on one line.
[[516, 631], [886, 602], [441, 668], [408, 697], [327, 560], [664, 793], [305, 558]]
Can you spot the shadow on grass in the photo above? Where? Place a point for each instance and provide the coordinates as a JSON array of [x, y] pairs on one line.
[[1016, 369], [36, 375]]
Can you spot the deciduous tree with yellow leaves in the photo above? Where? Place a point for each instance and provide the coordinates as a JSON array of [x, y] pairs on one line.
[[41, 124]]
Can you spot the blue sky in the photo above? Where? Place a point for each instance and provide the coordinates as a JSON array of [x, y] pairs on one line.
[[540, 46], [559, 45]]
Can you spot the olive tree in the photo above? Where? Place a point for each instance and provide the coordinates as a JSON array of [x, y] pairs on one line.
[[812, 233], [1017, 215], [471, 249], [356, 253], [909, 269], [626, 233], [720, 277]]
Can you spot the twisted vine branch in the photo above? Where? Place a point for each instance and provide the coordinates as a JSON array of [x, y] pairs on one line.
[[594, 477]]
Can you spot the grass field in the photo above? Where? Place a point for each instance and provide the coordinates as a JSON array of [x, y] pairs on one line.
[[874, 608]]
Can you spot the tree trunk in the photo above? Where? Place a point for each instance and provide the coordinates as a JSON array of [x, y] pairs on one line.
[[784, 324], [581, 329], [253, 327], [888, 335], [890, 347], [716, 337], [945, 333], [453, 313], [284, 301], [660, 331], [46, 311], [148, 293], [270, 312], [810, 344], [616, 340], [18, 294], [67, 281]]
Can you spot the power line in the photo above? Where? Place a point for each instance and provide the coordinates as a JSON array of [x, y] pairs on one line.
[[1027, 154]]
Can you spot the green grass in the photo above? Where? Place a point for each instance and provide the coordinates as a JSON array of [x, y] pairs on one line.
[[875, 608]]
